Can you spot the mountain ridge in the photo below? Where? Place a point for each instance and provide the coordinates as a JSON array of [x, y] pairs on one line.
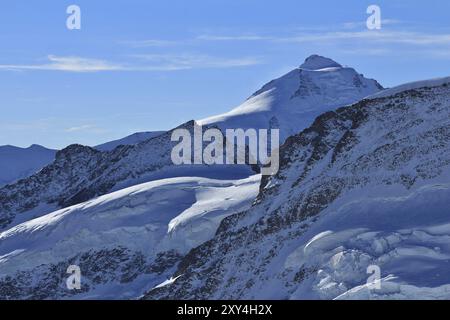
[[347, 187], [18, 163]]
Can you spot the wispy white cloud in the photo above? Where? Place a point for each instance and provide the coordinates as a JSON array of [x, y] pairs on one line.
[[368, 41], [139, 63], [152, 43], [439, 53], [345, 33], [395, 37], [367, 51], [362, 24], [195, 61], [233, 37], [85, 128], [69, 64]]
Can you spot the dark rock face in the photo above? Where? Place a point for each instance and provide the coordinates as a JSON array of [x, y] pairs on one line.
[[402, 140], [113, 265]]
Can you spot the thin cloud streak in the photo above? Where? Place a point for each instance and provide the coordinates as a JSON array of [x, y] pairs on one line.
[[152, 43], [394, 37], [190, 61], [85, 128], [68, 64], [233, 38], [359, 24], [80, 128], [159, 63]]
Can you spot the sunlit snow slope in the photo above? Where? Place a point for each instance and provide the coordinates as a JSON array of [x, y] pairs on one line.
[[125, 242]]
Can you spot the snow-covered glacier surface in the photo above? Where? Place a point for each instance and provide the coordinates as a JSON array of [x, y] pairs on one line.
[[406, 235], [124, 242]]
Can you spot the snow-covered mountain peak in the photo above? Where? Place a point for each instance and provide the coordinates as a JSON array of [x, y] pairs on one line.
[[291, 102], [316, 62]]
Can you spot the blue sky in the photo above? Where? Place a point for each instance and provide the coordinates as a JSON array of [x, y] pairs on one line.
[[140, 65]]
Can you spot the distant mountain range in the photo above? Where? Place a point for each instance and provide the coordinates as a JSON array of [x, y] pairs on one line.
[[17, 163]]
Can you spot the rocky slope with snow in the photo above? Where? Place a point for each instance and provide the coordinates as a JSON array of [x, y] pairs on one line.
[[18, 163], [366, 185], [80, 173]]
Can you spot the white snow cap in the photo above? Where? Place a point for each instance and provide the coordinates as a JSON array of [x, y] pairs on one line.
[[316, 62], [292, 101]]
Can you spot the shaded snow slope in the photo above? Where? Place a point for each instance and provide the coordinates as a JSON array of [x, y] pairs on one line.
[[291, 102], [137, 234]]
